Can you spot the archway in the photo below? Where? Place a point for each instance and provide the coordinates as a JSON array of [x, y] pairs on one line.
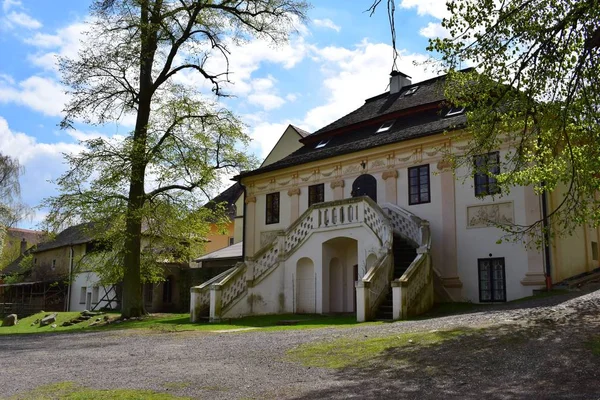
[[336, 286], [365, 185], [305, 286]]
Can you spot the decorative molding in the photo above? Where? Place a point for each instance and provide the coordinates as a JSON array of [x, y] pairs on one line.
[[351, 169], [482, 216], [285, 183], [250, 199], [339, 183], [378, 163], [443, 165], [404, 159], [294, 191], [389, 174], [328, 174]]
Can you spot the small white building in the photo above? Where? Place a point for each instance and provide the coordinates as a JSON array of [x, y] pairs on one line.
[[367, 217]]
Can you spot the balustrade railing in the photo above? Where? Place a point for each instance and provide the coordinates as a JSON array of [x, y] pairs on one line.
[[200, 295]]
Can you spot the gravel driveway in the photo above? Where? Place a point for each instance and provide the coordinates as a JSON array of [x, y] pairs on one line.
[[534, 349]]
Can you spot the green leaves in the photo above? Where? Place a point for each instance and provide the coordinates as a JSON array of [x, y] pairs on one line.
[[535, 87]]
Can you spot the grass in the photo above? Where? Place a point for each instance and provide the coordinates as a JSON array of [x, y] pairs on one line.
[[352, 352], [594, 345], [72, 391], [181, 323]]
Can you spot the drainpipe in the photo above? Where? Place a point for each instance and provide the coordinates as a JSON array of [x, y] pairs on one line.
[[243, 224], [546, 228], [68, 305]]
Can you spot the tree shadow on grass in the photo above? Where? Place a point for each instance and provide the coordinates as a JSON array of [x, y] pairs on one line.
[[546, 358]]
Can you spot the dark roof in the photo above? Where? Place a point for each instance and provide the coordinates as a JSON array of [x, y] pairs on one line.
[[13, 266], [77, 234], [228, 196], [429, 91], [300, 131], [30, 236], [417, 115]]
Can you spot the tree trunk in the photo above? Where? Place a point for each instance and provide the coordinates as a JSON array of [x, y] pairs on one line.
[[132, 303]]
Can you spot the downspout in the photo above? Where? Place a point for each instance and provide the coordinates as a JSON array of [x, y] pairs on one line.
[[71, 253], [546, 228], [243, 224]]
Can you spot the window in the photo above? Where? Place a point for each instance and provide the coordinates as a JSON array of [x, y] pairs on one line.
[[455, 111], [148, 292], [418, 185], [486, 166], [322, 143], [411, 91], [595, 251], [82, 293], [272, 216], [231, 241], [95, 294], [492, 279], [316, 194], [53, 265], [35, 261], [386, 126]]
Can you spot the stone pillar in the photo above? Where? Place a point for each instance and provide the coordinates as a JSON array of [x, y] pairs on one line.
[[396, 300], [535, 260], [448, 259], [249, 225], [215, 303], [294, 194], [362, 301], [338, 189], [391, 186]]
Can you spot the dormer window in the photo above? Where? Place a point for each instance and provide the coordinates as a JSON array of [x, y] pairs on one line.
[[386, 126], [455, 111], [411, 91], [322, 143]]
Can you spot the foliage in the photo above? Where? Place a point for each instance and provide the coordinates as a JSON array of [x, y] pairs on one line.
[[536, 85], [147, 61], [11, 209]]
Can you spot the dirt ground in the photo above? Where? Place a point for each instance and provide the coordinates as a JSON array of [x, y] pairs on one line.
[[537, 349]]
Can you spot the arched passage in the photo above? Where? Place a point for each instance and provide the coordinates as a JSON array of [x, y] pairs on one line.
[[336, 286], [305, 286], [365, 185]]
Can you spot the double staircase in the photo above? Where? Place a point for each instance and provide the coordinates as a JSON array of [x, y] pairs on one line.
[[399, 283], [404, 255]]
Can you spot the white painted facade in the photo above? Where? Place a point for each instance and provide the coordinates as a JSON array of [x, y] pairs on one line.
[[86, 292]]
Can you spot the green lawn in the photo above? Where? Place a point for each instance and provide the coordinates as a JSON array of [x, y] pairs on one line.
[[72, 391], [181, 323], [359, 352]]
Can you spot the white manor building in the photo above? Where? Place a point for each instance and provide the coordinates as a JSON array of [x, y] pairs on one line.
[[364, 216]]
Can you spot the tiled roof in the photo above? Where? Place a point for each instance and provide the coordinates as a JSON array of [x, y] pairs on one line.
[[416, 115], [228, 196], [233, 251], [77, 234], [300, 131]]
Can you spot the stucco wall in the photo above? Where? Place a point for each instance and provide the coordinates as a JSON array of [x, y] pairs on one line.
[[287, 144], [43, 262], [217, 239], [88, 284]]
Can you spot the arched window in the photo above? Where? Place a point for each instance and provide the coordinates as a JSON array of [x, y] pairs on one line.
[[365, 185]]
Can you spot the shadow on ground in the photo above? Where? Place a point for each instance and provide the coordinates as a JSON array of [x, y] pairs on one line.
[[545, 356]]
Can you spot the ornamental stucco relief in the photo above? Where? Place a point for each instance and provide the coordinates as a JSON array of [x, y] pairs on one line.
[[490, 215]]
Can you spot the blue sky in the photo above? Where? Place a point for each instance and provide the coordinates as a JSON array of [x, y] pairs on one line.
[[340, 57]]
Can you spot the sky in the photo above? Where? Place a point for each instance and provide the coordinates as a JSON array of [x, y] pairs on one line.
[[337, 59]]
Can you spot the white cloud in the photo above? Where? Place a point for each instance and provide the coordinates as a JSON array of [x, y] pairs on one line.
[[22, 19], [38, 93], [327, 23], [434, 30], [291, 97], [42, 162], [351, 76], [434, 8], [8, 4], [266, 101], [66, 42], [265, 135]]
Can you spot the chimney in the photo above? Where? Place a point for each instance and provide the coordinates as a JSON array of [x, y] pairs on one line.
[[23, 246], [398, 80]]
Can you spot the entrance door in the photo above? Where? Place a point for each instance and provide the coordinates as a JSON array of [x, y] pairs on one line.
[[365, 185], [305, 286]]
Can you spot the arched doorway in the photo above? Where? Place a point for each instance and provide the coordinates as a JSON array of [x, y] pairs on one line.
[[336, 286], [365, 185], [305, 286]]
